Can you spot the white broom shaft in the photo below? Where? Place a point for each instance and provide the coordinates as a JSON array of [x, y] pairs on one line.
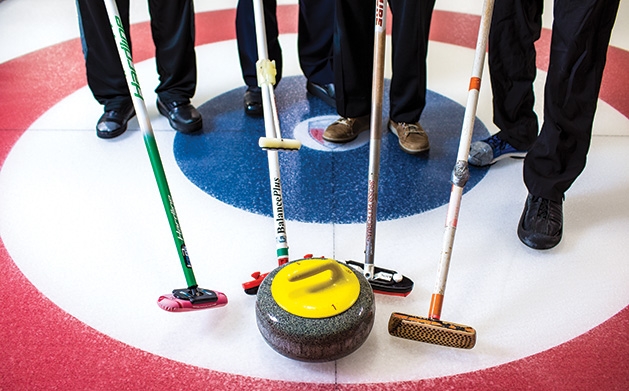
[[130, 73], [271, 120], [271, 126], [474, 88], [376, 134], [281, 238], [259, 22], [377, 82], [463, 152]]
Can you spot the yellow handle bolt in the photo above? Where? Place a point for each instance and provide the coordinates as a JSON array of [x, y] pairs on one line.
[[315, 288]]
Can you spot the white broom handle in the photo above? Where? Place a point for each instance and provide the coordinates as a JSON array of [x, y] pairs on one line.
[[461, 172], [377, 91], [272, 130], [475, 81], [271, 119], [133, 83]]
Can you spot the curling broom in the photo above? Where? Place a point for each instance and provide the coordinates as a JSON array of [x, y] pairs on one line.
[[193, 297], [272, 142], [432, 329], [384, 281]]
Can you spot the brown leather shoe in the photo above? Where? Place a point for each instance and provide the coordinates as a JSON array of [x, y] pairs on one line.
[[413, 138], [346, 129]]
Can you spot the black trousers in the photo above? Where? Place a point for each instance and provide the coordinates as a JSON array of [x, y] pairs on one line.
[[172, 27], [580, 38], [314, 39], [353, 57]]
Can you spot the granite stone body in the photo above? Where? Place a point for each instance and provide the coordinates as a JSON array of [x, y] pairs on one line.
[[311, 339]]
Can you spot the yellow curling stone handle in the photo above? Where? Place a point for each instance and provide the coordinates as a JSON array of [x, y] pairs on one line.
[[315, 288]]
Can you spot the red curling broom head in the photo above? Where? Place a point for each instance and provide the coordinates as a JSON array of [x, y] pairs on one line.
[[191, 299], [251, 287]]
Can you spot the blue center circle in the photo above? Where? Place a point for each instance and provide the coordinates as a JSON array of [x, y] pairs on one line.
[[322, 182]]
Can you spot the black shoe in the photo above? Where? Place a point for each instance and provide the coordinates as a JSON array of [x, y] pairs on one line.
[[113, 123], [182, 116], [324, 92], [253, 102], [541, 224]]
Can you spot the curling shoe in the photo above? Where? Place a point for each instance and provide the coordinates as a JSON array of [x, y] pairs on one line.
[[541, 224], [325, 92], [253, 102], [413, 138], [488, 151], [346, 129], [113, 123], [182, 116]]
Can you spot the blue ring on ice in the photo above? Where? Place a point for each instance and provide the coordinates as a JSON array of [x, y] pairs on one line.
[[322, 182]]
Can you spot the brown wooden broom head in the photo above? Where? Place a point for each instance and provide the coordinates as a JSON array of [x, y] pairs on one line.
[[432, 331]]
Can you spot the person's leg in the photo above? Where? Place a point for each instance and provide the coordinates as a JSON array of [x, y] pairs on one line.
[[515, 27], [172, 26], [353, 63], [314, 47], [411, 28], [581, 34], [248, 50], [246, 39], [315, 39], [353, 56], [409, 36], [105, 76]]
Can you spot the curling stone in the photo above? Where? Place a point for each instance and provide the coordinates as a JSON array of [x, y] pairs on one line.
[[315, 309]]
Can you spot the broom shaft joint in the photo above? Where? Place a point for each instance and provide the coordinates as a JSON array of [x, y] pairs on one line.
[[460, 173]]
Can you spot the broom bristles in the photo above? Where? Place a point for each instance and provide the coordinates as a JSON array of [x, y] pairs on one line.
[[177, 303], [432, 331]]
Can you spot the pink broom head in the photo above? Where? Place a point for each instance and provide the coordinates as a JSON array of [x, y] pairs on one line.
[[191, 299]]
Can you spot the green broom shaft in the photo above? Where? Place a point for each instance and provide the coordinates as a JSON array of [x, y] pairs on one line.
[[169, 207], [149, 138]]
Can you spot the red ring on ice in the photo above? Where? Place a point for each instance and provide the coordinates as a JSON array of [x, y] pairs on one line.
[[76, 356]]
